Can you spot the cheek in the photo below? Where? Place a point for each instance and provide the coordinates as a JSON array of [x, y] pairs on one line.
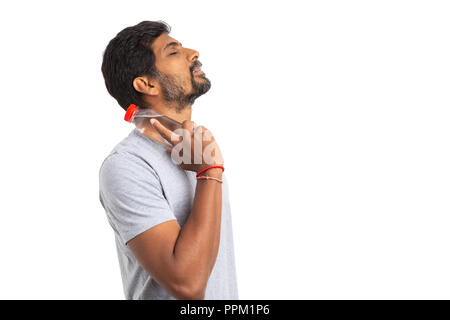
[[184, 79], [180, 71]]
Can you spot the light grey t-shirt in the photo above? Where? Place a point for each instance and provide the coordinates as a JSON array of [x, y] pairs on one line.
[[141, 187]]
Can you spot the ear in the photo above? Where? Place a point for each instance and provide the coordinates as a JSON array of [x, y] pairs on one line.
[[145, 86]]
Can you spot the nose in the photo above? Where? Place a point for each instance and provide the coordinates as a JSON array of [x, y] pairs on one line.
[[193, 55]]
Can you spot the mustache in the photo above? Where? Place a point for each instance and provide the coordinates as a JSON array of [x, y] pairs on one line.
[[196, 64]]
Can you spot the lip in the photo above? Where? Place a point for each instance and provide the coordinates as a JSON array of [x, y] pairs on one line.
[[199, 72]]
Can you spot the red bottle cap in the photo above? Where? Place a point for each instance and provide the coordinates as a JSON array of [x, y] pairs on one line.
[[131, 111]]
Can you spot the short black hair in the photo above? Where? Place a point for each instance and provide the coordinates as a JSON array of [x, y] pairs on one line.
[[129, 55]]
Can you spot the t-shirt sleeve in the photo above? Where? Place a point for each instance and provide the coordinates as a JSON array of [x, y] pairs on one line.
[[132, 196]]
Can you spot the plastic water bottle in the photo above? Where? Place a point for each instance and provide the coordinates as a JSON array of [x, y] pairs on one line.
[[141, 117]]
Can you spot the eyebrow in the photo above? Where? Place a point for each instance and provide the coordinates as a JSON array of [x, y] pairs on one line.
[[173, 43]]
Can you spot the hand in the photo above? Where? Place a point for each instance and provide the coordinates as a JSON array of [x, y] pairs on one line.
[[193, 148]]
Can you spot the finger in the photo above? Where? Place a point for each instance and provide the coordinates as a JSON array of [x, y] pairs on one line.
[[202, 132], [188, 125], [167, 134], [188, 129]]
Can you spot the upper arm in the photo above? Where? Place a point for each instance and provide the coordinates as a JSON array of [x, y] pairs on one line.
[[142, 217], [153, 250]]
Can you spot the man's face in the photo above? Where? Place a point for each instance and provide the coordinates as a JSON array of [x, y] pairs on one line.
[[179, 73]]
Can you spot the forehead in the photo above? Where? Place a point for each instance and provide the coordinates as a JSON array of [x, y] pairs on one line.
[[160, 42]]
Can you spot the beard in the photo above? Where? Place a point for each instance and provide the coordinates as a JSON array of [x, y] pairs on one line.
[[174, 93]]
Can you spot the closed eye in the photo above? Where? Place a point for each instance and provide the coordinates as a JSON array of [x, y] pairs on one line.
[[173, 53]]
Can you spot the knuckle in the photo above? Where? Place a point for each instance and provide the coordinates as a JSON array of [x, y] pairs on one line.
[[187, 123]]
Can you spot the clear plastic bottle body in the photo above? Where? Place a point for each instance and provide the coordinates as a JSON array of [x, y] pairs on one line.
[[141, 118]]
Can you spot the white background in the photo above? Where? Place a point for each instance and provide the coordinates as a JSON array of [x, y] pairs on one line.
[[333, 118]]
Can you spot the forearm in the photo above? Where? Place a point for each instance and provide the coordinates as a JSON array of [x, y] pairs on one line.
[[196, 248], [215, 246]]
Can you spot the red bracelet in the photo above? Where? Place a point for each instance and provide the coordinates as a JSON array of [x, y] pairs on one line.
[[221, 167]]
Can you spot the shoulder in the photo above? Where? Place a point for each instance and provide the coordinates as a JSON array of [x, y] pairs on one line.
[[124, 168], [118, 161]]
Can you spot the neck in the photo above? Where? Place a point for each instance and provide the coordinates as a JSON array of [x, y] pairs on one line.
[[169, 110], [174, 112]]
